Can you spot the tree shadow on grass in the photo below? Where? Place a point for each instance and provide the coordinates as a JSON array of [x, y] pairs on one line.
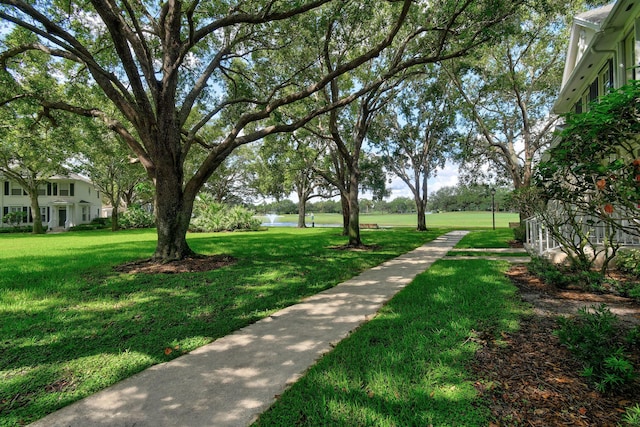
[[87, 328]]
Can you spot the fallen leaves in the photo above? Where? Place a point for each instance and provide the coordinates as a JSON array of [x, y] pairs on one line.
[[169, 350]]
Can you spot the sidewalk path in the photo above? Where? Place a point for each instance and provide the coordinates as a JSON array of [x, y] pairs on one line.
[[235, 378]]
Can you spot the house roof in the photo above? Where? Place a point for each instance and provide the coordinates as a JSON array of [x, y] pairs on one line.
[[594, 35], [71, 176], [67, 176], [594, 17]]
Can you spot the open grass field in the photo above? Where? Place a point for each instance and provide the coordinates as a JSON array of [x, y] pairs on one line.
[[467, 220], [71, 325]]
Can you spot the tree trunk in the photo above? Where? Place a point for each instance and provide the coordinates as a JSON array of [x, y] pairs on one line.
[[422, 217], [114, 217], [302, 204], [354, 210], [173, 207], [35, 212], [173, 213], [344, 201]]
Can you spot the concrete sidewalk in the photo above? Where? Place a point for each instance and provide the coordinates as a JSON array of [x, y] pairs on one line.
[[235, 378]]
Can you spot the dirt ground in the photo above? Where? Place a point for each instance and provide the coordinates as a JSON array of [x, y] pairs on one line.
[[535, 381], [189, 265]]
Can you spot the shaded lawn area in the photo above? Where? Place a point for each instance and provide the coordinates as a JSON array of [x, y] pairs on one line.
[[71, 325], [409, 366]]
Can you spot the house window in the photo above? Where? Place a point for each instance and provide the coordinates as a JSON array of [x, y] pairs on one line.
[[605, 79], [85, 214], [13, 209], [52, 189], [63, 189], [578, 107], [16, 190], [629, 57], [42, 190], [584, 100], [43, 214], [593, 91]]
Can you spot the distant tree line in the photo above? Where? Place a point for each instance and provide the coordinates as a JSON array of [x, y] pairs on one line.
[[455, 198], [469, 198]]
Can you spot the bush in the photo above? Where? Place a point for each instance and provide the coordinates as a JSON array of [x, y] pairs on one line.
[[548, 272], [563, 277], [136, 217], [632, 416], [628, 261], [595, 339], [103, 222], [84, 227], [17, 229], [210, 216], [520, 233], [15, 218]]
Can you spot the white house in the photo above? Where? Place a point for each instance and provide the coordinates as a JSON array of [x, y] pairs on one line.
[[604, 48], [603, 53], [65, 201]]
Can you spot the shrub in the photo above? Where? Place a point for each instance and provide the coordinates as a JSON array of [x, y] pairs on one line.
[[628, 261], [595, 339], [15, 218], [563, 276], [136, 217], [520, 233], [103, 222], [632, 416], [17, 229], [634, 292], [548, 272], [210, 216]]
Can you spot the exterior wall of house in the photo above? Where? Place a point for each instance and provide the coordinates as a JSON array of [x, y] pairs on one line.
[[604, 49], [603, 53], [64, 201]]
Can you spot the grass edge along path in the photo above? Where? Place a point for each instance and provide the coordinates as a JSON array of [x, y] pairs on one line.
[[408, 365], [71, 326]]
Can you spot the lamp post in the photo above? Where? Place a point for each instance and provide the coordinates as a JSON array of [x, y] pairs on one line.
[[493, 207]]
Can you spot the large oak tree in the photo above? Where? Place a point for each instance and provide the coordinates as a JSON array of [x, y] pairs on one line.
[[175, 68]]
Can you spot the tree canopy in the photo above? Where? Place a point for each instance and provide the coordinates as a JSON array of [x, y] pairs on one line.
[[173, 70]]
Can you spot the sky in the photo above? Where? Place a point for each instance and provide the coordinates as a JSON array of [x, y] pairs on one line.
[[446, 177]]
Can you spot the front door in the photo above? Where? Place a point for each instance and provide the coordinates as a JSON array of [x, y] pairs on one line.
[[62, 217]]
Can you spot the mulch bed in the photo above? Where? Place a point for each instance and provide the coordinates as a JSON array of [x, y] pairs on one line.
[[193, 264], [529, 379]]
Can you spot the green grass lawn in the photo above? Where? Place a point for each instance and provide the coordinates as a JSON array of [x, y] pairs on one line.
[[467, 220], [72, 326], [409, 366]]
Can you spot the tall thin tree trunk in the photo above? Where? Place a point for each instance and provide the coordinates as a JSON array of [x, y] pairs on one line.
[[115, 226], [422, 217], [35, 212], [354, 209], [344, 201], [302, 205]]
